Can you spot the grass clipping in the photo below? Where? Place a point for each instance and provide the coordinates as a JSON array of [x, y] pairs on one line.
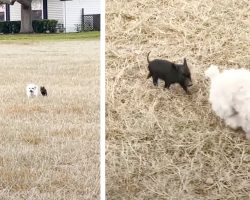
[[166, 144]]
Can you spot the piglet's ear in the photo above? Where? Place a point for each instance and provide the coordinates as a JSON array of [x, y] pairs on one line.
[[185, 62]]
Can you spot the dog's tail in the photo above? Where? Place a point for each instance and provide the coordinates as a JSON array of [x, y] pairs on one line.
[[148, 57], [212, 72]]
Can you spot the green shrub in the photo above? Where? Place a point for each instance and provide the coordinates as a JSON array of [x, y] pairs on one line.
[[39, 26], [10, 27], [52, 26]]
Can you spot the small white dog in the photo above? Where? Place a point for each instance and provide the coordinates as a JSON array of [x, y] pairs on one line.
[[32, 90], [230, 96]]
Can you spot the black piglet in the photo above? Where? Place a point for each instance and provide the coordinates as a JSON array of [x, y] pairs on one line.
[[43, 91]]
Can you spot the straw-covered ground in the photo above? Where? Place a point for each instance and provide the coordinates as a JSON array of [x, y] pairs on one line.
[[49, 146], [166, 144]]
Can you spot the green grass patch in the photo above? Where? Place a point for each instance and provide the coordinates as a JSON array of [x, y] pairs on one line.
[[56, 36]]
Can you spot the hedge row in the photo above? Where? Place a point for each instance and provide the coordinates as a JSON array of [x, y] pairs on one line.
[[10, 27], [39, 26]]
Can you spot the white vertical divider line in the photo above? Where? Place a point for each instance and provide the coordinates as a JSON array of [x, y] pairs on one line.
[[102, 104]]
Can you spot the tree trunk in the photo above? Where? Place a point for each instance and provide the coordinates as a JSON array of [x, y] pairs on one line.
[[26, 18], [26, 14]]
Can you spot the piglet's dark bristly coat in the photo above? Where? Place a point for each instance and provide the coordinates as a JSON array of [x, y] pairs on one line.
[[170, 73], [43, 91]]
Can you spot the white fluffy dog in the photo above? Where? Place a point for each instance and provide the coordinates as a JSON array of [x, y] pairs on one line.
[[32, 90], [230, 96]]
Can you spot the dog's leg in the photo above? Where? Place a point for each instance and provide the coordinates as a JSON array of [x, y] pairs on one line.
[[233, 122]]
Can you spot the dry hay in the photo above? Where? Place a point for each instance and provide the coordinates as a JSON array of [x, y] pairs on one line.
[[165, 144], [50, 145]]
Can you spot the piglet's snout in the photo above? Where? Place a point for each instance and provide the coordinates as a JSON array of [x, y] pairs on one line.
[[189, 83]]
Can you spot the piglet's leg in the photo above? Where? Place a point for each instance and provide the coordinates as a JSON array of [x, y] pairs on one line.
[[155, 80], [185, 88], [167, 85]]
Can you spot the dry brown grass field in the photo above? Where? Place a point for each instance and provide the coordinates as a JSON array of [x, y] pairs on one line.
[[49, 146], [166, 144]]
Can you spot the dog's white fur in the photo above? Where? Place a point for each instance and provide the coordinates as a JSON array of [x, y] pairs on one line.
[[32, 90], [230, 96]]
